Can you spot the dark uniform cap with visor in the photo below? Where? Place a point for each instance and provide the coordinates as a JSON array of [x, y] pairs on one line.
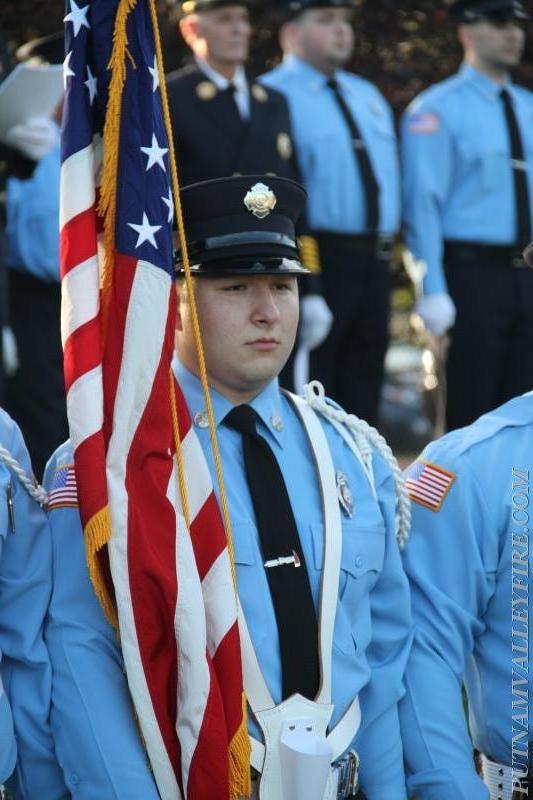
[[243, 225], [491, 10]]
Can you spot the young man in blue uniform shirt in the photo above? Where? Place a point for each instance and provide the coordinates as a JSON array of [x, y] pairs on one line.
[[247, 299], [347, 150], [469, 563], [27, 756], [468, 210]]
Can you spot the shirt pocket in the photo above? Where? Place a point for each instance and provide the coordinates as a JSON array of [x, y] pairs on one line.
[[363, 551], [489, 161]]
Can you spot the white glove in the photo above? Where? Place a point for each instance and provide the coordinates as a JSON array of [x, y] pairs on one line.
[[437, 312], [33, 138], [9, 352], [315, 321]]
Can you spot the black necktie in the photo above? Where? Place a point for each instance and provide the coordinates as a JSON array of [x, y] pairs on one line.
[[279, 540], [233, 108], [521, 190], [365, 166]]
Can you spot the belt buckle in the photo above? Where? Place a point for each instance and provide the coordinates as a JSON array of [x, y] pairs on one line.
[[348, 776]]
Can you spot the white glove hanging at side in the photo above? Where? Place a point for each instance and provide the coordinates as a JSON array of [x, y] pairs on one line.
[[315, 321], [33, 138], [437, 312]]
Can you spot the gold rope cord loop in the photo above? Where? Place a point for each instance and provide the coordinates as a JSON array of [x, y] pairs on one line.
[[239, 747]]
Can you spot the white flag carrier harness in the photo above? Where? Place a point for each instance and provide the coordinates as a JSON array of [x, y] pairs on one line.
[[271, 718]]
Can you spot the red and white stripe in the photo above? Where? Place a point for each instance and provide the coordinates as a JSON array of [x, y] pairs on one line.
[[182, 665]]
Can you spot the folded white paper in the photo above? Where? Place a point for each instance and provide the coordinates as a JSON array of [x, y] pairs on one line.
[[30, 90]]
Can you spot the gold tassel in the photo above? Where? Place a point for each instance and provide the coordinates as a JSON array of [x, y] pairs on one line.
[[239, 759], [97, 534]]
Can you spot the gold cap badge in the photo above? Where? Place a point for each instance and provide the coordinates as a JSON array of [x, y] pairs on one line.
[[260, 200], [206, 90]]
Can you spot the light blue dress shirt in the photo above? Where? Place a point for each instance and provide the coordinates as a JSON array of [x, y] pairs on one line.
[[95, 733], [25, 585], [96, 738], [324, 148], [372, 628], [458, 179], [32, 226], [459, 561]]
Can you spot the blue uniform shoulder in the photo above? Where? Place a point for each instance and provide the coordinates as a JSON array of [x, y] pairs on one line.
[[437, 96], [452, 448], [358, 83], [276, 77], [62, 457], [8, 429], [524, 93]]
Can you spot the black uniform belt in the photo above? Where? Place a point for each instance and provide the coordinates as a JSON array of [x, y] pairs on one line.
[[506, 255], [379, 245]]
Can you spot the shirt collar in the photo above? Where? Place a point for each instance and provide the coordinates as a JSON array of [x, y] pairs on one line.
[[222, 83], [315, 79], [268, 404], [485, 84]]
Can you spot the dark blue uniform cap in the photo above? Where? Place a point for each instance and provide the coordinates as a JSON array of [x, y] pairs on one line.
[[499, 10], [296, 7], [242, 225], [194, 6]]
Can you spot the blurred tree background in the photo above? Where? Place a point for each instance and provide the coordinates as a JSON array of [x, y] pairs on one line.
[[401, 46]]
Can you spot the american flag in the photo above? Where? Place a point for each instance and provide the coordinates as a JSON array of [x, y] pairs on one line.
[[63, 492], [428, 484], [170, 584]]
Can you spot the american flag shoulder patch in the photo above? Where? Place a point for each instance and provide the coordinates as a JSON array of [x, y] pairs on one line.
[[428, 484], [424, 122], [63, 492]]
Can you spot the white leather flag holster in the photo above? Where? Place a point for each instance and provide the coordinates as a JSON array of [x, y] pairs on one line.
[[296, 757]]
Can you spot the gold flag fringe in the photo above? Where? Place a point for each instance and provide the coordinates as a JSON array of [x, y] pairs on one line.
[[97, 533], [107, 207]]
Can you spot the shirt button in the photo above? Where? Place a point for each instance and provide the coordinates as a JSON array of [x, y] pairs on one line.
[[359, 562], [201, 419], [277, 423], [74, 779]]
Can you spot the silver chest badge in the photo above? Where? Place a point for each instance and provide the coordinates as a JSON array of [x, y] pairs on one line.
[[260, 200], [344, 493]]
